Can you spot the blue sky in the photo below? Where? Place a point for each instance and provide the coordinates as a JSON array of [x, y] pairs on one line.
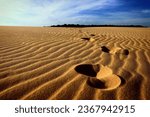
[[52, 12]]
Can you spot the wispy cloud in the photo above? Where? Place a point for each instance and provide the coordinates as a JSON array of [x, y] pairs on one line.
[[67, 11], [47, 12]]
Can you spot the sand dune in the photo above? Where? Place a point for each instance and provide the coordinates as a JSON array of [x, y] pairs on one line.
[[74, 63]]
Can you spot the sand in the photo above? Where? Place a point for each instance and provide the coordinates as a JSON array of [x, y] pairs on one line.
[[74, 63]]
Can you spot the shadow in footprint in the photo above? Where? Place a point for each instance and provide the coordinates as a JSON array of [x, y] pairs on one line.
[[86, 38], [87, 69], [105, 49], [92, 35], [100, 84], [125, 52], [95, 83], [123, 81], [125, 74]]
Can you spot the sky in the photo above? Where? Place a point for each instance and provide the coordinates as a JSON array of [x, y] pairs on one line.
[[54, 12]]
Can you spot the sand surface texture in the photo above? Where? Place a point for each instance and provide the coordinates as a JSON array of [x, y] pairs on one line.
[[74, 63]]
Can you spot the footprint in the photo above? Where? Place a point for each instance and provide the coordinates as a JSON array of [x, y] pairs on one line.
[[125, 52], [105, 84], [91, 39], [105, 49], [115, 50], [109, 80], [85, 38], [88, 39], [92, 35], [103, 72], [87, 69], [100, 76]]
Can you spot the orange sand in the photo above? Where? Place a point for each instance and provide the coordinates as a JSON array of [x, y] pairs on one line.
[[74, 63]]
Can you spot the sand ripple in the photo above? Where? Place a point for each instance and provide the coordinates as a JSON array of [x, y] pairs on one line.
[[74, 63]]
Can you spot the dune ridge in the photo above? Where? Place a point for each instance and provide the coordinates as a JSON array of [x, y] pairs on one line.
[[100, 63]]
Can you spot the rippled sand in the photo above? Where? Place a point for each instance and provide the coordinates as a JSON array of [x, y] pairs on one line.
[[74, 63]]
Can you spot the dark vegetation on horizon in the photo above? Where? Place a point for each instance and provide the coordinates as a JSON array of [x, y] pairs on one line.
[[79, 25]]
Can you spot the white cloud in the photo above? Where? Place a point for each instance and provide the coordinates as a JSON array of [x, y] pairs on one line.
[[46, 12]]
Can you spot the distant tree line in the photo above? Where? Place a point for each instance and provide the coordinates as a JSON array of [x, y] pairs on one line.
[[92, 25]]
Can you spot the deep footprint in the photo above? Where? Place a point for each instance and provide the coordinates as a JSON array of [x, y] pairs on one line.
[[105, 49], [87, 69], [115, 50], [100, 76]]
